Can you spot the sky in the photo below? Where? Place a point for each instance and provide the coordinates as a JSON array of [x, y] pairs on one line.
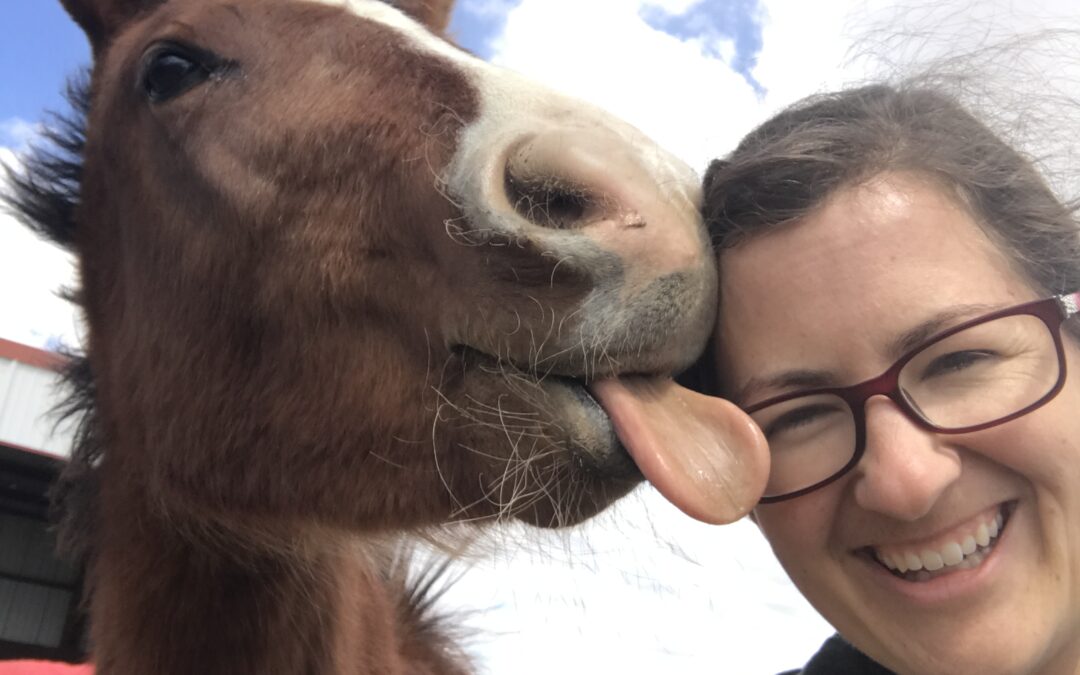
[[642, 589]]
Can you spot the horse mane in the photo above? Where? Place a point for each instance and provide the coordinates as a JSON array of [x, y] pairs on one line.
[[46, 193], [420, 587], [45, 197]]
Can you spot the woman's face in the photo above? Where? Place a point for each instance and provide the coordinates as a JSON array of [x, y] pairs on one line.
[[834, 293]]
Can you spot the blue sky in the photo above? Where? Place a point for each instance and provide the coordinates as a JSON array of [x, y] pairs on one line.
[[739, 21], [475, 23], [39, 48]]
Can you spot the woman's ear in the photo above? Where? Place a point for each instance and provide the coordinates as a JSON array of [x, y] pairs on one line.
[[102, 19]]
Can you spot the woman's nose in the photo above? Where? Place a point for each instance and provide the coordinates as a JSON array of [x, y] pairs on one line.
[[905, 468]]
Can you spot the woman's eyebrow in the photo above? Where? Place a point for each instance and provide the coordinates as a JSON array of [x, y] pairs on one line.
[[915, 336], [786, 379]]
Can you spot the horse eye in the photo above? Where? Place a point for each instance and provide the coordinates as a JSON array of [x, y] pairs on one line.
[[171, 71]]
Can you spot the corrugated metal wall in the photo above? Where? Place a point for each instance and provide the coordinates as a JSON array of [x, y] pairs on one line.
[[36, 589], [27, 394]]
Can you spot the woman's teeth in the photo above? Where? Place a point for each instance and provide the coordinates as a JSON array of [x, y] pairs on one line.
[[965, 552]]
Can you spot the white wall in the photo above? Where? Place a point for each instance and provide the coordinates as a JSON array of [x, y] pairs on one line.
[[27, 395]]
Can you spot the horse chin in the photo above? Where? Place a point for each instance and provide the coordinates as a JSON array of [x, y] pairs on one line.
[[583, 464], [591, 436], [601, 465]]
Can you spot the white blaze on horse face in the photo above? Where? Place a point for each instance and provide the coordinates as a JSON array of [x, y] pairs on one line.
[[654, 227], [507, 96]]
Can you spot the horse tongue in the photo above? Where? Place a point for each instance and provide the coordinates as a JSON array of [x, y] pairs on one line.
[[703, 454]]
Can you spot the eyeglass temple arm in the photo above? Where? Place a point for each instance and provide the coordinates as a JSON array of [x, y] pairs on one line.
[[1069, 304]]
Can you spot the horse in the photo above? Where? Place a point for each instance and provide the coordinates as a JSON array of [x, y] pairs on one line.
[[344, 284]]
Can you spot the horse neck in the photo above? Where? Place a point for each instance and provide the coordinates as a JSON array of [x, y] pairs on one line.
[[171, 604]]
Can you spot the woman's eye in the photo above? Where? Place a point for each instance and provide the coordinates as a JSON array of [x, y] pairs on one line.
[[171, 72], [955, 362], [798, 418]]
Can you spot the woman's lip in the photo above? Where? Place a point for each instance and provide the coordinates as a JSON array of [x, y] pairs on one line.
[[955, 585]]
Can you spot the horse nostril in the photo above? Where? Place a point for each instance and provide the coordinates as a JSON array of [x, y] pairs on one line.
[[549, 201]]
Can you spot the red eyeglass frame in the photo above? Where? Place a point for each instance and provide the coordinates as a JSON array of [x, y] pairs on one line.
[[1053, 312]]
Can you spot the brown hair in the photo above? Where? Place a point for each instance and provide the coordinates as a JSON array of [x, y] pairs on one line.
[[790, 164]]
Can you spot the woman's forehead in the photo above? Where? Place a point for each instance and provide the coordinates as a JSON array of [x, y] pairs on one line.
[[873, 261], [868, 225]]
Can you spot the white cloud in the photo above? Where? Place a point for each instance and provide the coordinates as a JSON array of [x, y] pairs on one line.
[[17, 134], [811, 47], [31, 273], [672, 6], [1021, 64], [691, 103], [695, 105]]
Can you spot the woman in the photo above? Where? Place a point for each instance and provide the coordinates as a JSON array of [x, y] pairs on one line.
[[888, 317]]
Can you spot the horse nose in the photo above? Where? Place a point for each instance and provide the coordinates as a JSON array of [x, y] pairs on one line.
[[604, 186]]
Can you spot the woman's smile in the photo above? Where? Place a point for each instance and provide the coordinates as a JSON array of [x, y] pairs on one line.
[[960, 565], [963, 547]]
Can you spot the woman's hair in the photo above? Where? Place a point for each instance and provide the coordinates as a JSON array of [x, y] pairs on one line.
[[789, 165]]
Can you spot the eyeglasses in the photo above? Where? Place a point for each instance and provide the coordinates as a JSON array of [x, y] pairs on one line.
[[981, 373]]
